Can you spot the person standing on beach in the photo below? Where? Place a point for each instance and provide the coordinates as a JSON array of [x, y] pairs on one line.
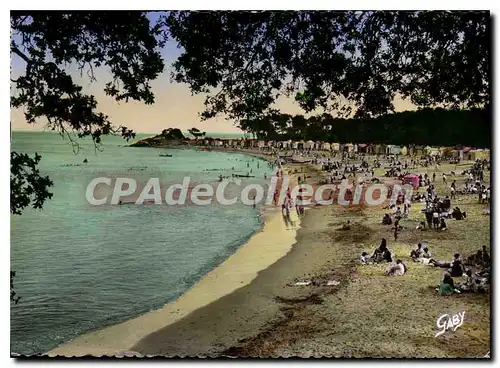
[[298, 203], [294, 217], [284, 213], [288, 207]]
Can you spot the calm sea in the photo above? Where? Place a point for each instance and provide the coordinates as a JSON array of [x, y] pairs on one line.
[[79, 267]]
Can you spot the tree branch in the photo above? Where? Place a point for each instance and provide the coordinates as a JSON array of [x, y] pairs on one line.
[[18, 52]]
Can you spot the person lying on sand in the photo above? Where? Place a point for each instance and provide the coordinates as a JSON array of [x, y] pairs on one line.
[[397, 269], [437, 263]]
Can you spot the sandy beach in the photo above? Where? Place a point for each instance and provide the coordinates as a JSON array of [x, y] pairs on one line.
[[248, 305], [264, 248]]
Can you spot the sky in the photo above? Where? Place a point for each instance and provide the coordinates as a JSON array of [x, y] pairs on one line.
[[175, 107]]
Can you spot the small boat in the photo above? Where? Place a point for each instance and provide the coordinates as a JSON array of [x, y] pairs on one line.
[[165, 155], [243, 176]]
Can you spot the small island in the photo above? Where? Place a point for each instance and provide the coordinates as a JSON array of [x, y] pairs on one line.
[[167, 138]]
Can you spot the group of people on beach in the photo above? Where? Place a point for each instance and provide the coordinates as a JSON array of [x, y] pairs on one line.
[[291, 211], [474, 274], [437, 210], [472, 281], [477, 282]]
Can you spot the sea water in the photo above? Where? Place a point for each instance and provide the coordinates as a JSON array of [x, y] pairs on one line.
[[79, 267]]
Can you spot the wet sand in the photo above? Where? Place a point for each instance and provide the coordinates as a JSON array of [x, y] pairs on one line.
[[240, 269]]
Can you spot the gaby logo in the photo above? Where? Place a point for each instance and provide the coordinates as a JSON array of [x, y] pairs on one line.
[[449, 322]]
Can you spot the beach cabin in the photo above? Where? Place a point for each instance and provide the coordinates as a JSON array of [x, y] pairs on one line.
[[427, 150], [477, 154], [349, 147], [261, 144], [284, 144], [449, 152], [415, 150], [362, 148], [380, 149], [396, 150], [393, 150], [309, 145], [462, 151], [317, 145], [404, 150], [325, 146], [370, 149], [432, 151], [335, 147]]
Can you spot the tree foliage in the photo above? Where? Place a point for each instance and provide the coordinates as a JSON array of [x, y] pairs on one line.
[[48, 43], [196, 132], [14, 298], [440, 127], [347, 63], [26, 184], [172, 133]]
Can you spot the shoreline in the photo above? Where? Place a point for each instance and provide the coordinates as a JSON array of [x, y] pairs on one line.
[[265, 247]]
